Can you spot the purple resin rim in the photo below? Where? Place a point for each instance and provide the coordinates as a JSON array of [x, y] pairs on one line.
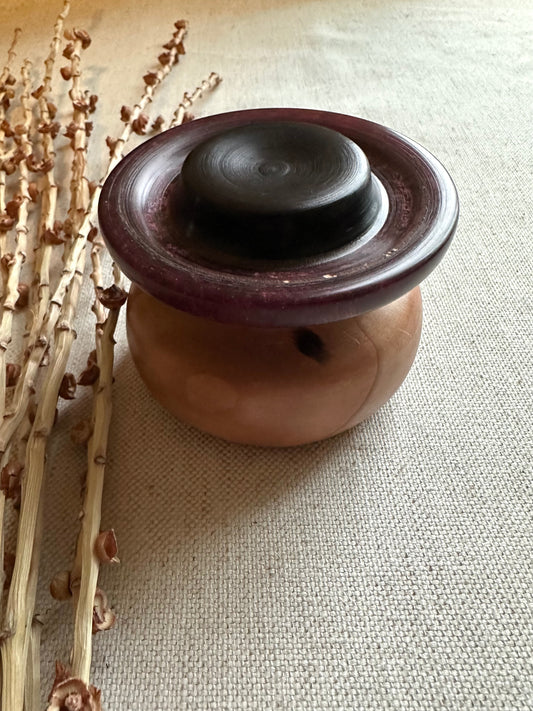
[[422, 217]]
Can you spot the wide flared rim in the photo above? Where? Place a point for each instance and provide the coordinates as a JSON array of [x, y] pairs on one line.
[[415, 228]]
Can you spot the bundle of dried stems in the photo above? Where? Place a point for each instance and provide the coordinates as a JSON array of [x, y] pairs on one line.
[[31, 385]]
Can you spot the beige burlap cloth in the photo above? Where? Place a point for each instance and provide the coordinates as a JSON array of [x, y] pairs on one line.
[[390, 567]]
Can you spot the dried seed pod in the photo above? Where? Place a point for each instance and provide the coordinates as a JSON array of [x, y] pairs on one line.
[[66, 73], [47, 165], [7, 261], [169, 45], [81, 105], [111, 144], [103, 617], [68, 51], [165, 58], [113, 297], [20, 129], [10, 481], [88, 128], [52, 128], [67, 389], [151, 79], [60, 586], [106, 547], [139, 124], [52, 237], [33, 164], [13, 371], [90, 375], [23, 297], [33, 191], [9, 166], [38, 92], [181, 49], [10, 79], [52, 109], [70, 130], [82, 35], [158, 123], [68, 227], [62, 674], [74, 695], [125, 113], [93, 232], [6, 222], [18, 156], [81, 432], [6, 128], [181, 24], [12, 207], [10, 475]]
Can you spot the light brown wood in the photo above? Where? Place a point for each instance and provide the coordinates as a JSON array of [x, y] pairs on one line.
[[273, 386]]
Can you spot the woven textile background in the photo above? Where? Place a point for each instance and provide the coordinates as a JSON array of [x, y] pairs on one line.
[[390, 567]]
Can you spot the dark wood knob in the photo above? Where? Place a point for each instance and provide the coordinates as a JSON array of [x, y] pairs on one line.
[[279, 190]]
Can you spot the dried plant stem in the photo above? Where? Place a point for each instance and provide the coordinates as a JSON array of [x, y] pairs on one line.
[[78, 185], [15, 266], [44, 248], [4, 76], [32, 688], [84, 575], [21, 598], [212, 81], [24, 386], [6, 73], [32, 692], [19, 612], [149, 90]]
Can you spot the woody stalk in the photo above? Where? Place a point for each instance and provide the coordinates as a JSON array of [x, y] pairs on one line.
[[26, 148]]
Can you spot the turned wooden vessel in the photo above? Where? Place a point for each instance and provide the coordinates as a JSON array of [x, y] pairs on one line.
[[275, 257]]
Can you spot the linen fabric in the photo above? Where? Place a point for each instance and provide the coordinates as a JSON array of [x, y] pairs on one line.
[[389, 567]]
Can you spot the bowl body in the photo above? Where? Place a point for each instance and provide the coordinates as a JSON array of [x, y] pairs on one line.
[[272, 386]]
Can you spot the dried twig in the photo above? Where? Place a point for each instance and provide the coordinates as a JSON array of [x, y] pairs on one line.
[[49, 340], [182, 115], [48, 228], [15, 262], [25, 384], [6, 92], [84, 576], [20, 602], [7, 80]]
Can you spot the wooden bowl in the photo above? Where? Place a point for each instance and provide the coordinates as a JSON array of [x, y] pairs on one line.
[[275, 256]]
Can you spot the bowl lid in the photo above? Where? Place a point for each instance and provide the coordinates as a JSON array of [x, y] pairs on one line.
[[278, 217]]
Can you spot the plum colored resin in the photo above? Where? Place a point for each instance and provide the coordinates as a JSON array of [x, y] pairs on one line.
[[275, 256]]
